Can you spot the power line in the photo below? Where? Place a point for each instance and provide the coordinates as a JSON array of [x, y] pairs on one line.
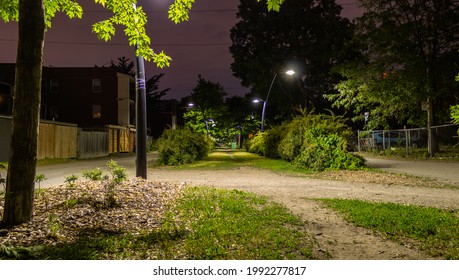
[[125, 44]]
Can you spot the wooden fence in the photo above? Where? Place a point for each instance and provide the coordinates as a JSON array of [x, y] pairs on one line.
[[66, 140], [120, 139], [57, 140], [92, 144]]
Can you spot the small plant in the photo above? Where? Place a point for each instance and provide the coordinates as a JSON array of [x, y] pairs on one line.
[[93, 175], [70, 181], [41, 192], [69, 203], [40, 178], [118, 175], [54, 225]]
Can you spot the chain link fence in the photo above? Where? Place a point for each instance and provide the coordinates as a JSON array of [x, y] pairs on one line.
[[410, 140]]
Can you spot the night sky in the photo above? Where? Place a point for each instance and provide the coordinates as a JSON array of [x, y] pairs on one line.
[[199, 46]]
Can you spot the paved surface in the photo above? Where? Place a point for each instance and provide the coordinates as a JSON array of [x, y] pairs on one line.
[[56, 173], [444, 171]]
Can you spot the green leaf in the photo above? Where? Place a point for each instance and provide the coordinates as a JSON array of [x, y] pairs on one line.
[[104, 30], [179, 10], [162, 60]]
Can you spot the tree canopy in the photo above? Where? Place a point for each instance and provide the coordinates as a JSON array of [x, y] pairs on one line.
[[307, 35], [408, 54]]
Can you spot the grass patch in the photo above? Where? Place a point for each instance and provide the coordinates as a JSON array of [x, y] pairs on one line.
[[238, 225], [433, 230]]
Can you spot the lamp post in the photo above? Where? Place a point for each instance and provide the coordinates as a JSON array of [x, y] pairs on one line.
[[141, 118], [258, 100]]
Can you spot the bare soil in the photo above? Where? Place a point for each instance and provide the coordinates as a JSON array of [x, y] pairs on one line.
[[335, 238]]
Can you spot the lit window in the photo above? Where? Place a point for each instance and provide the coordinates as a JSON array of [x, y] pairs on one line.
[[96, 85], [96, 112]]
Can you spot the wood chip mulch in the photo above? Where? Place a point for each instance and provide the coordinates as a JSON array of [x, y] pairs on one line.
[[63, 213]]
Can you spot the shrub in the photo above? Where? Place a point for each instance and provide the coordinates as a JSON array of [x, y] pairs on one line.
[[256, 145], [272, 140], [326, 151], [293, 142], [180, 146]]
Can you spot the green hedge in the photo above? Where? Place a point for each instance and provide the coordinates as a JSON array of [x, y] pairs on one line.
[[181, 146]]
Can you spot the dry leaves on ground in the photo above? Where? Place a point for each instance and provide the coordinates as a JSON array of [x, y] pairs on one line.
[[62, 213]]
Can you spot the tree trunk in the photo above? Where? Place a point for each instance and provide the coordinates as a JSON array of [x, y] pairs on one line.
[[26, 109]]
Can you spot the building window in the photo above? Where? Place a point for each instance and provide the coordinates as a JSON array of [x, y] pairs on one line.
[[96, 85], [96, 112], [53, 85]]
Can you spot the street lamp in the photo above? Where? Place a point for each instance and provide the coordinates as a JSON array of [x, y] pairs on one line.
[[258, 100]]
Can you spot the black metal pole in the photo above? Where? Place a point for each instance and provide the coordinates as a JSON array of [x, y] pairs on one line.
[[141, 120]]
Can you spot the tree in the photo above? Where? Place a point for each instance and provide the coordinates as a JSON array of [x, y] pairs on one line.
[[306, 35], [208, 106], [408, 55], [23, 155], [153, 96], [124, 66], [33, 17]]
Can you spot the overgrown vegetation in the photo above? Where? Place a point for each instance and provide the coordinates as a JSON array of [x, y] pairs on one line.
[[180, 146], [313, 141], [434, 230], [237, 225]]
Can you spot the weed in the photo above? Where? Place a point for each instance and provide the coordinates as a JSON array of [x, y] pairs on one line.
[[70, 181], [40, 178], [93, 175], [118, 175], [54, 225]]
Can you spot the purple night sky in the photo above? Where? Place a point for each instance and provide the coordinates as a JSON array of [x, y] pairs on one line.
[[199, 46]]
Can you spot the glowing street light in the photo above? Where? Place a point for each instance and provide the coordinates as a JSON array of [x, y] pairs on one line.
[[258, 100]]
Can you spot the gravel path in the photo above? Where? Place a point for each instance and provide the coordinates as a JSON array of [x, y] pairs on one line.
[[334, 235]]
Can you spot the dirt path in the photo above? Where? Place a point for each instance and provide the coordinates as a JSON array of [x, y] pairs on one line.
[[333, 235]]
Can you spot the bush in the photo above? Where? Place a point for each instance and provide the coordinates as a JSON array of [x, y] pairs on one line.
[[293, 142], [313, 141], [272, 139], [256, 145], [326, 151], [181, 146]]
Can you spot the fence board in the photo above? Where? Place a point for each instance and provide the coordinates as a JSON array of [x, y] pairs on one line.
[[57, 140], [93, 144]]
